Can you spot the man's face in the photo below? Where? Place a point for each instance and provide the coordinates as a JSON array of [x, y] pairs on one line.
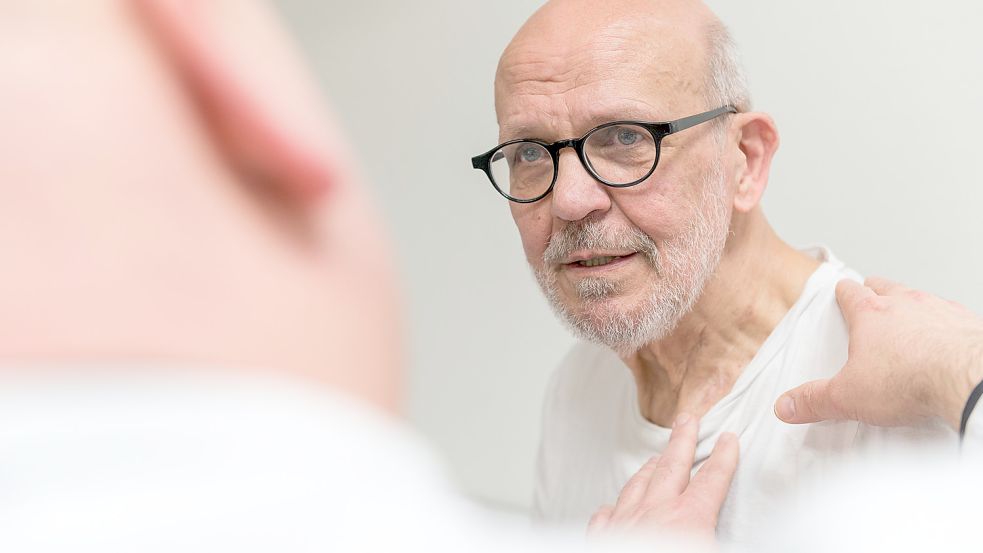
[[621, 266]]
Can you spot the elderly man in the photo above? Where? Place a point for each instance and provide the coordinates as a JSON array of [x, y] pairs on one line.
[[635, 168]]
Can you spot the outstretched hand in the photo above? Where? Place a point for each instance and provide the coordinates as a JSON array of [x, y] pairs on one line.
[[913, 356], [662, 497]]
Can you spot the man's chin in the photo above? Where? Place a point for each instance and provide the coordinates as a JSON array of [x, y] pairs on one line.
[[594, 310], [603, 307], [601, 322], [616, 324]]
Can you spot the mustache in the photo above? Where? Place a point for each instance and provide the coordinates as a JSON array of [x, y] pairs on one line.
[[593, 235]]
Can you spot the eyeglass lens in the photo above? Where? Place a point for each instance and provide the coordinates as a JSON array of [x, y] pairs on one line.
[[618, 154]]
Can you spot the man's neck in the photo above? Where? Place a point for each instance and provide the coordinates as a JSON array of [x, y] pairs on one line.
[[758, 280]]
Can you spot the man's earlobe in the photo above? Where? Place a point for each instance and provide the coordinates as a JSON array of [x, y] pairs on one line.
[[256, 105], [758, 141]]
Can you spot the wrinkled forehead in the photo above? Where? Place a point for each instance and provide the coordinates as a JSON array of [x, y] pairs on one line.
[[558, 83]]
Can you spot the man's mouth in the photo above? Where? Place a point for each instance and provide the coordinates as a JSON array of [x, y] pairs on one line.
[[598, 261]]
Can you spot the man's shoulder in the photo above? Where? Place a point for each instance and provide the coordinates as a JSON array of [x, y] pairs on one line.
[[818, 297], [589, 375], [818, 335], [583, 412]]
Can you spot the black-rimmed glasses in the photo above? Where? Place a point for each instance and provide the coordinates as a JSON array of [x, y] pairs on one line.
[[618, 154]]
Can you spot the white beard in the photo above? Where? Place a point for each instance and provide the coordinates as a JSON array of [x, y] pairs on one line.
[[684, 264]]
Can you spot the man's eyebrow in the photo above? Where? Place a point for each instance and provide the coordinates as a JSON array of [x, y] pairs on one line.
[[629, 112], [515, 132]]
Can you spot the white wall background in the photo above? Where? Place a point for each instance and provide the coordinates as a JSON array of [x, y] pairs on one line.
[[880, 105]]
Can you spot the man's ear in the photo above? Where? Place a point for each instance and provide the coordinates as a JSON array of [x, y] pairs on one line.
[[258, 104], [758, 140]]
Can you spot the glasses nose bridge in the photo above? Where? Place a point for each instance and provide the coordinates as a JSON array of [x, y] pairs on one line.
[[559, 146], [574, 144]]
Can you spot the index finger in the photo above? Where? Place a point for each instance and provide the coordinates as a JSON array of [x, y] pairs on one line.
[[672, 471], [712, 483]]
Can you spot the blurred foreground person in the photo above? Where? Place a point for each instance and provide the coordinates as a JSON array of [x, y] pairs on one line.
[[198, 323]]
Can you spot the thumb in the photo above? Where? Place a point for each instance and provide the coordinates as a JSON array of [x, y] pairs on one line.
[[810, 402]]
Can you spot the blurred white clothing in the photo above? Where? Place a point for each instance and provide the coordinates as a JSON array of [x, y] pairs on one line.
[[195, 460]]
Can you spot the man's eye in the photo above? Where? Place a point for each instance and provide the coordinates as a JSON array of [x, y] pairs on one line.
[[627, 137], [530, 154]]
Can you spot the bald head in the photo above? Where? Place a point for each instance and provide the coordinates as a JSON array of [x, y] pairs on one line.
[[678, 49], [570, 25]]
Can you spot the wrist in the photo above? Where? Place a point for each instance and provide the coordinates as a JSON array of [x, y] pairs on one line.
[[963, 380]]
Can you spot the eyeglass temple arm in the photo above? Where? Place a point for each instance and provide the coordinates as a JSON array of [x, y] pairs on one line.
[[480, 162], [693, 120]]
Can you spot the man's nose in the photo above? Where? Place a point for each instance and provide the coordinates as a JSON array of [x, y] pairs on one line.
[[576, 193]]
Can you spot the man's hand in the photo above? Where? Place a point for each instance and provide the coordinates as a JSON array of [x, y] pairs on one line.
[[661, 497], [913, 356]]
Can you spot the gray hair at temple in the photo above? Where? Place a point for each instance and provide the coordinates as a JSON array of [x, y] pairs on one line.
[[726, 82]]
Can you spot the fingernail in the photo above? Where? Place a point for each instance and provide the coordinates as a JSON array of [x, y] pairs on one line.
[[681, 419], [785, 409]]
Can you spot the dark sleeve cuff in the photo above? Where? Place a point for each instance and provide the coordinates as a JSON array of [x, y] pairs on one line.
[[971, 425]]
